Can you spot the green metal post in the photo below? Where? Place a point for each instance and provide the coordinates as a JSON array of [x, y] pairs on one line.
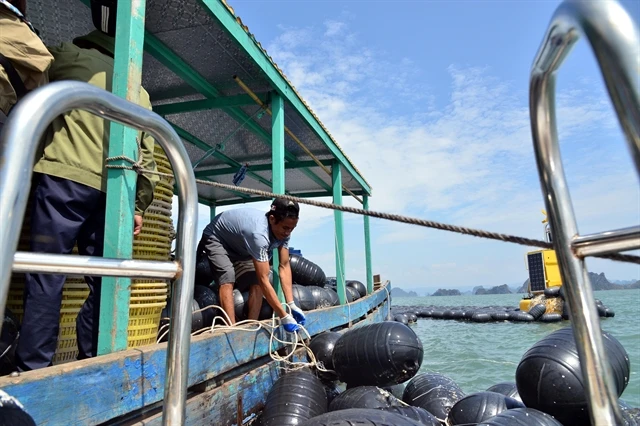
[[277, 171], [367, 245], [121, 184], [212, 210], [336, 178]]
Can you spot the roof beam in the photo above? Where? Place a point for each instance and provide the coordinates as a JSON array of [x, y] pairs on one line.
[[227, 20], [259, 168], [299, 195], [203, 104], [175, 63]]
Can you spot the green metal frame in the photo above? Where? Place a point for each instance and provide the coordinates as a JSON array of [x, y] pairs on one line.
[[336, 174], [277, 164], [205, 104], [367, 246], [227, 20], [121, 184]]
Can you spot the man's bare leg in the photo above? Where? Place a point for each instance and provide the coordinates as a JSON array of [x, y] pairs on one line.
[[254, 302], [226, 300]]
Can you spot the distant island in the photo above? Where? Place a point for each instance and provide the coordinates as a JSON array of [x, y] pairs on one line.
[[398, 292], [444, 292], [599, 282], [499, 289]]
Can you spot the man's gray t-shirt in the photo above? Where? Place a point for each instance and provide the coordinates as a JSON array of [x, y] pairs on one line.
[[245, 234]]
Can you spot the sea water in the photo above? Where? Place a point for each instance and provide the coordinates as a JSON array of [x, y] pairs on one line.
[[479, 355]]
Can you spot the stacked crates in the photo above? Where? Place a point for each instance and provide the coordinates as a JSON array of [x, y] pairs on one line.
[[148, 297]]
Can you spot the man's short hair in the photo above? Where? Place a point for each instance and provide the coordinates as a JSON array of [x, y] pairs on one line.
[[281, 209]]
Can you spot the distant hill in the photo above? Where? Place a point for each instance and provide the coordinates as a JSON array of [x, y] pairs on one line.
[[398, 292], [499, 289], [444, 292]]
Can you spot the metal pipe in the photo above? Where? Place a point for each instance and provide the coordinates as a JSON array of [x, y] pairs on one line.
[[290, 133], [28, 122], [46, 263], [615, 42], [607, 242]]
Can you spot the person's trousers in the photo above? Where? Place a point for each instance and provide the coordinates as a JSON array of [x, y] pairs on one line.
[[63, 213]]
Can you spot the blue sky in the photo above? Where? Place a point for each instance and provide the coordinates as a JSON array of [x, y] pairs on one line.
[[429, 100]]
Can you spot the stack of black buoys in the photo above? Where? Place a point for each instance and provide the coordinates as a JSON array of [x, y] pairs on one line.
[[196, 316], [206, 298], [295, 397], [358, 286], [364, 397], [303, 298], [477, 407], [380, 354], [8, 342], [305, 272], [320, 296], [322, 347], [204, 276], [420, 415], [549, 377], [360, 416], [434, 392], [521, 416]]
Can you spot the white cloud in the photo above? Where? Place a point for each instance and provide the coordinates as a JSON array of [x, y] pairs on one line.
[[333, 28]]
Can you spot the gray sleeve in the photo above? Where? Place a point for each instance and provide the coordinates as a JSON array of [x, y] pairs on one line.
[[258, 247]]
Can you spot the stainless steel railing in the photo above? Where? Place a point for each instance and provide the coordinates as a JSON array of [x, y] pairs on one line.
[[18, 143], [615, 40]]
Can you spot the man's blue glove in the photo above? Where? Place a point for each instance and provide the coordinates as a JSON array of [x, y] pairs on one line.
[[297, 313], [289, 324]]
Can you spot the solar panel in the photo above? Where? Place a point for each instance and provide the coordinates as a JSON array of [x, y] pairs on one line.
[[537, 277]]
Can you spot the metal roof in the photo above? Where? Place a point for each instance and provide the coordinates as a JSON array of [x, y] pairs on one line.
[[193, 51]]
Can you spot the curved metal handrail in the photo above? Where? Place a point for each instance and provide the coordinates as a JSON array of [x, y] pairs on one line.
[[18, 144], [615, 40]]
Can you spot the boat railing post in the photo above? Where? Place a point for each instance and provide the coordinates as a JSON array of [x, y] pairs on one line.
[[27, 123], [615, 41], [336, 179]]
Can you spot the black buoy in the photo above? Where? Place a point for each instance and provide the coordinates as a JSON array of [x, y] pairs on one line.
[[420, 415], [12, 413], [204, 276], [507, 389], [266, 311], [348, 295], [332, 390], [551, 317], [8, 342], [196, 316], [500, 315], [322, 347], [295, 397], [608, 313], [305, 272], [363, 397], [549, 377], [396, 390], [537, 311], [320, 297], [434, 392], [401, 319], [481, 317], [565, 311], [240, 304], [303, 298], [357, 285], [205, 298], [354, 293], [521, 416], [163, 327], [360, 416], [412, 317], [552, 291], [520, 316], [381, 354], [476, 407], [332, 296]]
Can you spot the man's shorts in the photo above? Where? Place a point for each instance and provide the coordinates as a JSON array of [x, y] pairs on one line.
[[241, 273]]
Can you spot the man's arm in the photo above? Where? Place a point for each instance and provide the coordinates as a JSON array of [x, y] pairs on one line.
[[284, 269], [262, 272]]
